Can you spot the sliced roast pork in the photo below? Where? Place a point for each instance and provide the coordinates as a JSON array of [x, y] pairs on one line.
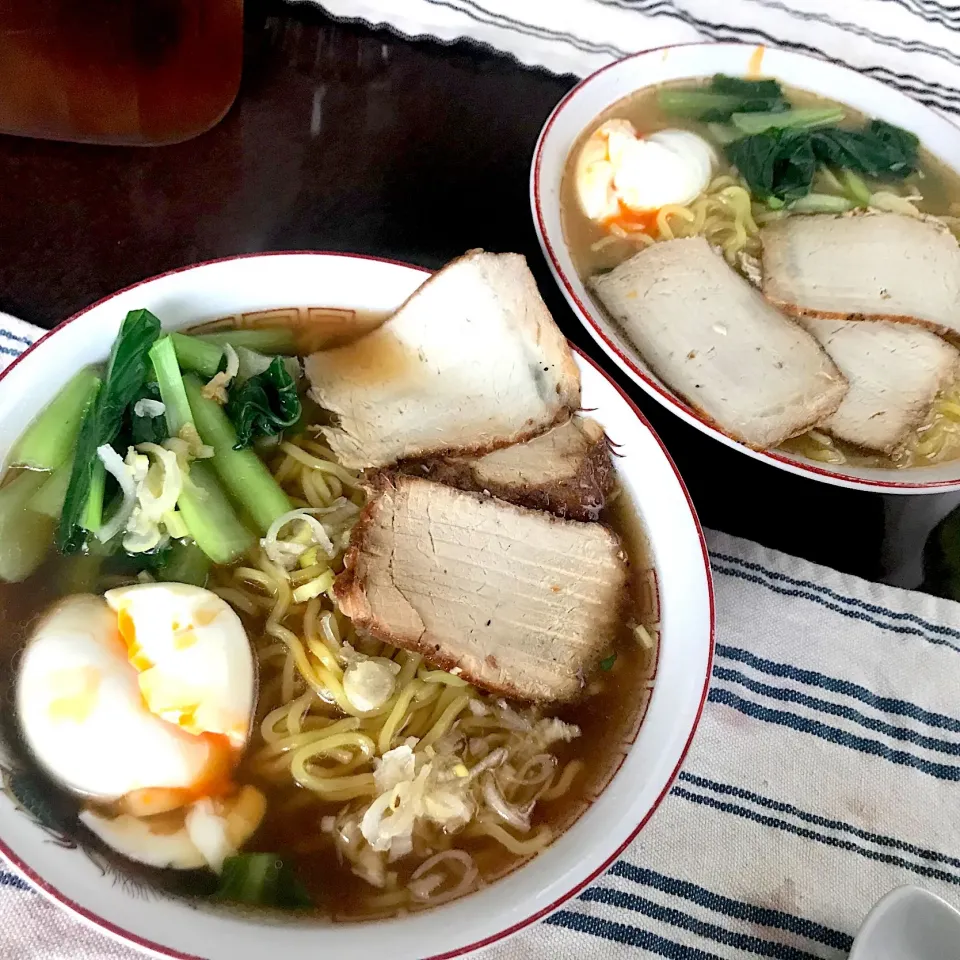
[[566, 470], [517, 601], [714, 340], [895, 371], [882, 266], [471, 362]]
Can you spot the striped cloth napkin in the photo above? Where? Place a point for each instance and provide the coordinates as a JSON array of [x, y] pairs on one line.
[[822, 776], [913, 45]]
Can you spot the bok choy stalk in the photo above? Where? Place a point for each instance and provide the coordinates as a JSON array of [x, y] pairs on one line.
[[242, 472], [264, 879], [208, 514], [25, 535], [49, 441], [48, 500], [122, 382], [262, 339], [196, 355]]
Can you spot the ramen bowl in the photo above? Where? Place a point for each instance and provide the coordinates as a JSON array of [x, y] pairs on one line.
[[678, 578], [578, 112]]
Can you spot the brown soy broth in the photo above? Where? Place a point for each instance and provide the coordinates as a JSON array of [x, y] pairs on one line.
[[608, 715]]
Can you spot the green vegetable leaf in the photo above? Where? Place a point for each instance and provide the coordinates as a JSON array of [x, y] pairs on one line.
[[776, 163], [265, 879], [147, 429], [607, 662], [879, 150], [781, 163], [723, 97], [122, 383], [264, 405]]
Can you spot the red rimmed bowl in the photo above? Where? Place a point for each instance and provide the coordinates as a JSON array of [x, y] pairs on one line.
[[578, 110], [172, 927]]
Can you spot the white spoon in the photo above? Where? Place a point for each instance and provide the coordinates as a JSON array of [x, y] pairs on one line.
[[909, 924]]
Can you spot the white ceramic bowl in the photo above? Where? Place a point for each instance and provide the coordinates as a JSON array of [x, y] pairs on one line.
[[578, 110], [174, 928]]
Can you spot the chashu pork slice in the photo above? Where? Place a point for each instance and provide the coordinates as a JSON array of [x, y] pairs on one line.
[[567, 471], [882, 266], [716, 342], [895, 371], [518, 601], [471, 362]]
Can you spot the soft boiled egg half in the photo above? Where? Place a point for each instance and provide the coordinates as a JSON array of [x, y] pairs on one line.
[[619, 172], [141, 702]]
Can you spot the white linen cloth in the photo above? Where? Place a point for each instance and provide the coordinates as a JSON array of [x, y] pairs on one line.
[[823, 775]]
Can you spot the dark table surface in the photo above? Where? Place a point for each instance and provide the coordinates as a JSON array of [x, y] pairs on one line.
[[345, 139]]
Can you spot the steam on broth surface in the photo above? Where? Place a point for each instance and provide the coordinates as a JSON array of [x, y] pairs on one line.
[[357, 778], [733, 209]]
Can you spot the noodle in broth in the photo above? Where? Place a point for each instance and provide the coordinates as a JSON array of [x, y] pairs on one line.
[[730, 219]]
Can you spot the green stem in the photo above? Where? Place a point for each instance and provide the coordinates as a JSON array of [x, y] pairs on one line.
[[210, 518], [803, 119], [197, 355], [48, 500], [25, 535], [50, 439], [91, 519], [855, 188], [164, 358], [242, 472], [186, 563], [262, 339]]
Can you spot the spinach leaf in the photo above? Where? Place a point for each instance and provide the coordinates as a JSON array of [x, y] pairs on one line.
[[781, 164], [723, 97], [265, 879], [747, 89], [878, 150], [775, 163], [264, 405], [122, 383], [147, 429]]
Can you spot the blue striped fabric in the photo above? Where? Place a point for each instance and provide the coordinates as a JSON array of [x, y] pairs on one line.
[[15, 337], [823, 775]]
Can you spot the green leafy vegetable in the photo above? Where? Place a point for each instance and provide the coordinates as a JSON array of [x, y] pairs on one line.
[[261, 339], [821, 203], [184, 563], [147, 429], [854, 188], [777, 163], [204, 508], [197, 355], [607, 662], [264, 879], [24, 534], [48, 500], [781, 163], [264, 405], [122, 383], [723, 97], [163, 355], [779, 120], [879, 150], [49, 440], [242, 472], [91, 518]]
